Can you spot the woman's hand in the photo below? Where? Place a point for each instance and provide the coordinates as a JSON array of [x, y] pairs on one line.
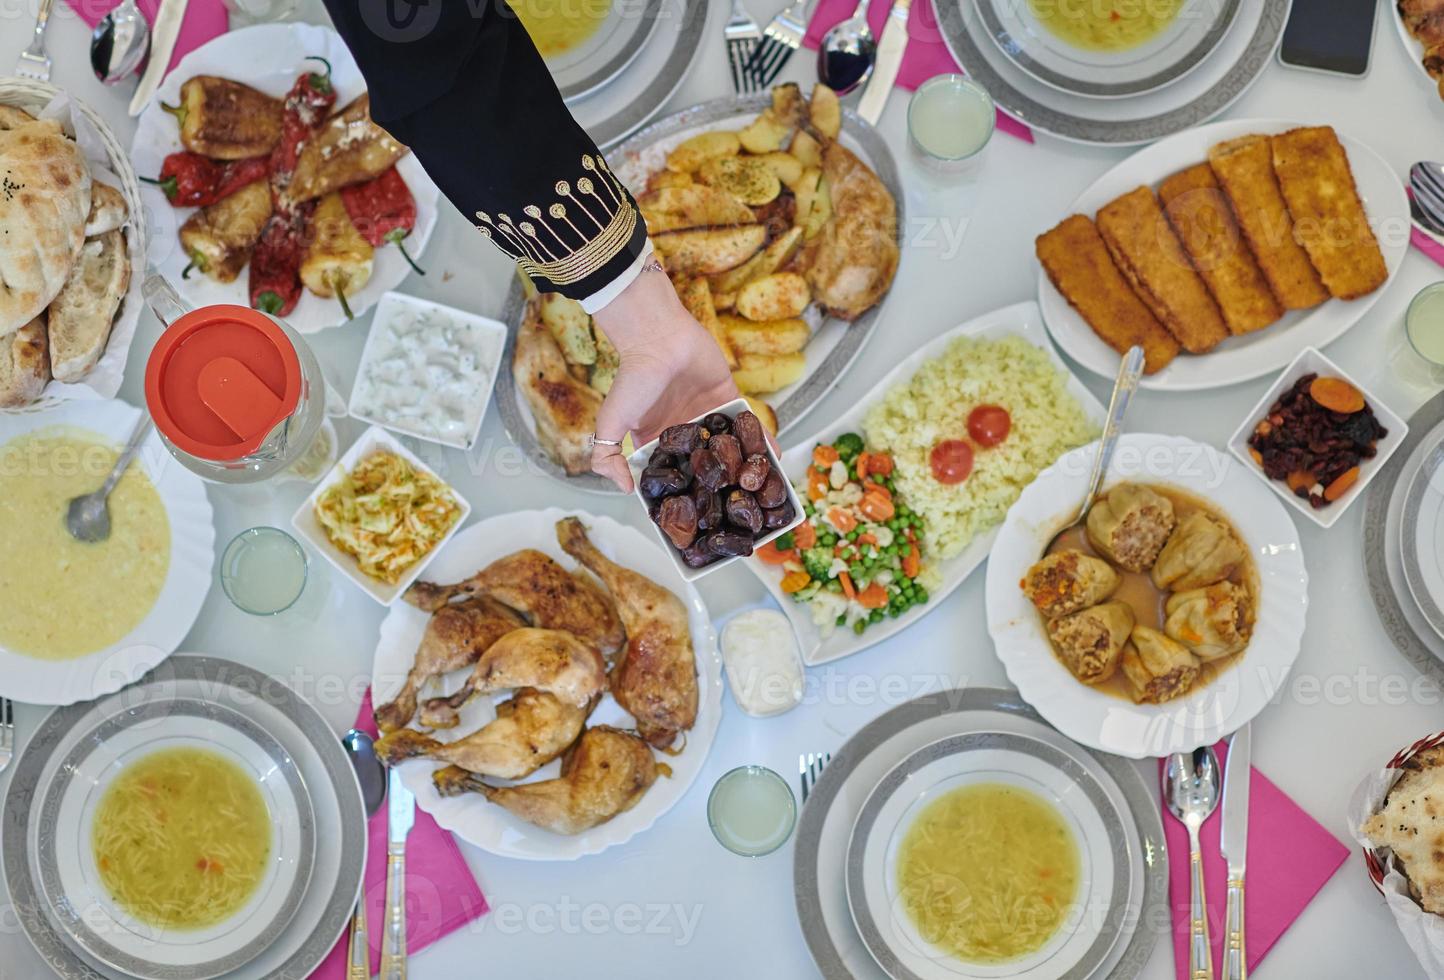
[[671, 369]]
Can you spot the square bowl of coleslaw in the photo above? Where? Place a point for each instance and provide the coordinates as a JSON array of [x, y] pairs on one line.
[[381, 515]]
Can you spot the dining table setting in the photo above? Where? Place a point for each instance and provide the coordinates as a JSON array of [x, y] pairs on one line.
[[1061, 596]]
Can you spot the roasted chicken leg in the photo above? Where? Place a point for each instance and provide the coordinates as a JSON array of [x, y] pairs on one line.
[[851, 262], [564, 407]]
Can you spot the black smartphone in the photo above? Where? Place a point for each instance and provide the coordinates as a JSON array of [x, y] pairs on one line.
[[1330, 35]]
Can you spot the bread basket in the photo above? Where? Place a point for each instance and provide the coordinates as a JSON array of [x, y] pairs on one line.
[[1374, 860], [33, 96]]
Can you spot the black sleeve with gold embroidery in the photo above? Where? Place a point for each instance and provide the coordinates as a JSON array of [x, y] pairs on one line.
[[460, 82]]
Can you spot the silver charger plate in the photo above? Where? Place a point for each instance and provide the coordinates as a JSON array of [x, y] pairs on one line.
[[1114, 121], [846, 340], [1421, 531], [629, 25], [319, 755], [823, 914]]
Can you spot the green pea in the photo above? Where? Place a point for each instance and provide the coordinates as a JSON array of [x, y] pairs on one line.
[[841, 619], [876, 616], [922, 595], [859, 626]]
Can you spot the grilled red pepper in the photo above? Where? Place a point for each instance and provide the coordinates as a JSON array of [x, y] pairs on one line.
[[383, 211], [189, 180], [306, 106]]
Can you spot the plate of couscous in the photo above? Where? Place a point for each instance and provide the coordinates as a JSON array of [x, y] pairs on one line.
[[904, 493]]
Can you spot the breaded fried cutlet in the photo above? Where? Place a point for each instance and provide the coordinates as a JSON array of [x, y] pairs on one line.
[[1329, 220], [1152, 259], [1078, 263], [1245, 171], [1200, 214]]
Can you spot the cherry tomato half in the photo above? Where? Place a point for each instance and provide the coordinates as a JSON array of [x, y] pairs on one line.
[[989, 424], [952, 461]]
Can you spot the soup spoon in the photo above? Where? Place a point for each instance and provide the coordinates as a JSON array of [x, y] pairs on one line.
[[88, 516], [848, 52], [371, 774], [1190, 786]]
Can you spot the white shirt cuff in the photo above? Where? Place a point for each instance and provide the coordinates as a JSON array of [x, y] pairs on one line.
[[614, 288]]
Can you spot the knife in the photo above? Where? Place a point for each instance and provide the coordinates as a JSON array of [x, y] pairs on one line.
[[163, 35], [401, 812], [1233, 842], [890, 52]]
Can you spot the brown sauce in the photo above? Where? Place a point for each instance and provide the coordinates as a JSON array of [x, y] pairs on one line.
[[1147, 600]]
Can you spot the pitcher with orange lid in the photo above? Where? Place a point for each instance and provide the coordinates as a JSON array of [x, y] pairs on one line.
[[237, 395]]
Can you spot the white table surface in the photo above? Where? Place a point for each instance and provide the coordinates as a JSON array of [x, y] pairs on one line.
[[673, 902]]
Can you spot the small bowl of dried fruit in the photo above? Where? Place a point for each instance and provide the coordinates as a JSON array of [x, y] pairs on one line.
[[1318, 437]]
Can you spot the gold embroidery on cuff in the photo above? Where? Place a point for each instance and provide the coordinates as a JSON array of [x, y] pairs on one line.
[[550, 245]]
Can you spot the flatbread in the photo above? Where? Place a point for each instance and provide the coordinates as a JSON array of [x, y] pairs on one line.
[[108, 210], [44, 199], [24, 364], [81, 316], [1412, 826], [12, 117]]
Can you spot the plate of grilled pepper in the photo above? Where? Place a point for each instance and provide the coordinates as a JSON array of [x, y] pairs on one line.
[[271, 183]]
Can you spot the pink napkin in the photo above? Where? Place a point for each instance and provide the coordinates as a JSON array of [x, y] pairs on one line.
[[1289, 858], [441, 894], [204, 20], [927, 54]]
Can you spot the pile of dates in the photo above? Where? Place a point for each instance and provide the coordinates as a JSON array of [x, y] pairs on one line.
[[712, 489]]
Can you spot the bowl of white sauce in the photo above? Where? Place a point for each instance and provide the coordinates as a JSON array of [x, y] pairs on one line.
[[764, 662]]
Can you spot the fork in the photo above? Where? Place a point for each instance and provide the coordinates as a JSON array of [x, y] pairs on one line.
[[7, 733], [809, 770], [782, 37], [742, 35], [34, 63]]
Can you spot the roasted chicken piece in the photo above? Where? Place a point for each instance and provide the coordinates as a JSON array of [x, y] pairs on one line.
[[1201, 551], [1214, 621], [348, 148], [1131, 525], [1158, 669], [225, 120], [655, 679], [604, 774], [1067, 581], [565, 407], [1090, 641], [530, 730], [456, 635], [220, 237], [338, 260], [545, 592], [547, 660], [852, 261]]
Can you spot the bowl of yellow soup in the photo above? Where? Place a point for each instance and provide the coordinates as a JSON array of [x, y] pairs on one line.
[[989, 854], [184, 841]]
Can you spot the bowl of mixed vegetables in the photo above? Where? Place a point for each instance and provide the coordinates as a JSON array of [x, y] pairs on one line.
[[857, 558]]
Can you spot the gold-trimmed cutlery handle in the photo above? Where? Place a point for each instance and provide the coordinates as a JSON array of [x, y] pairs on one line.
[[358, 966], [393, 940], [1200, 955], [1235, 950]]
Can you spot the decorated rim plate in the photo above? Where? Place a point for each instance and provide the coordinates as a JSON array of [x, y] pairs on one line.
[[1022, 34], [267, 57], [1021, 320], [1092, 924], [192, 553], [1261, 352], [835, 343], [470, 816], [826, 823], [1241, 55], [599, 59], [1207, 713], [1421, 536], [325, 772], [66, 862]]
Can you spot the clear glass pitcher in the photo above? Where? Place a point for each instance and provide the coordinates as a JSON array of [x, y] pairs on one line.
[[237, 396]]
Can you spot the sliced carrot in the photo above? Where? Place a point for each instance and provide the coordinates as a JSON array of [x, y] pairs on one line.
[[841, 519], [912, 563], [824, 455], [795, 582], [1341, 483], [817, 485], [1299, 479], [876, 507], [862, 462], [1337, 395], [847, 588], [867, 539], [805, 535], [873, 597], [879, 463], [770, 554], [876, 488]]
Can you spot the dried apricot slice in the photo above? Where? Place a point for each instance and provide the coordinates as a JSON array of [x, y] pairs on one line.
[[1337, 395], [1341, 483]]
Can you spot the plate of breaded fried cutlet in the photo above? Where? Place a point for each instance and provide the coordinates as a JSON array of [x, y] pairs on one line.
[[1224, 251]]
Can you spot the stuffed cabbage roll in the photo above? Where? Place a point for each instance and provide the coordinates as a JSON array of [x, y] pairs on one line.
[[1068, 581], [1130, 525], [1202, 550], [1158, 669], [1090, 641], [1214, 621]]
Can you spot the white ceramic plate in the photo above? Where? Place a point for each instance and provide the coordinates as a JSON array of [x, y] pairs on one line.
[[1264, 351], [601, 58], [1413, 50], [1092, 924], [1207, 713], [266, 57], [1421, 536], [470, 816], [1022, 320], [192, 553]]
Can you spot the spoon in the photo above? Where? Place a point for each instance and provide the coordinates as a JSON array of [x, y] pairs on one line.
[[1190, 786], [847, 53], [88, 516], [119, 43], [372, 776], [1426, 180], [1129, 371]]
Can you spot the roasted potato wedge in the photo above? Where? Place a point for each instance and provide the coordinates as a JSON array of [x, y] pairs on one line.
[[766, 336], [694, 206], [668, 178], [760, 374], [806, 193], [604, 372], [819, 212], [708, 251], [691, 154], [696, 296], [824, 111], [764, 414], [778, 253], [807, 150], [745, 178], [788, 105], [780, 296], [786, 166], [765, 134], [570, 325], [528, 288]]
